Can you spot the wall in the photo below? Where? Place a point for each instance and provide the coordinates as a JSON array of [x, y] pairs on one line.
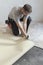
[[6, 5]]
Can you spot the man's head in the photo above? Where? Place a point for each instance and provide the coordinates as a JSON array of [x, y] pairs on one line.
[[27, 9]]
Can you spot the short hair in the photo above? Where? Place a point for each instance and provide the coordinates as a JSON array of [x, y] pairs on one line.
[[27, 8]]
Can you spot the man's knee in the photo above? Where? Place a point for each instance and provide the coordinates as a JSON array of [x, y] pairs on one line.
[[7, 21]]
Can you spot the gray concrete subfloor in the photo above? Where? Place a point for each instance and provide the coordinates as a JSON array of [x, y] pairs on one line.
[[36, 33]]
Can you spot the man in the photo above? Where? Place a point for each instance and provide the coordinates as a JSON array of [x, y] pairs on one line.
[[15, 17]]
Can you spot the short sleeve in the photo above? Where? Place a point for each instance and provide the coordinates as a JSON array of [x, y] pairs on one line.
[[17, 19]]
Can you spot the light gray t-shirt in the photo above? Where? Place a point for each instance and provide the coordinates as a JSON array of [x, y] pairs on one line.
[[15, 14]]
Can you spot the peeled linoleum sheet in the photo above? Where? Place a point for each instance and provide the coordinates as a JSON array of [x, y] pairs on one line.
[[12, 47]]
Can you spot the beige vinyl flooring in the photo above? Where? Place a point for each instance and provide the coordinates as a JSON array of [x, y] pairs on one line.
[[12, 47]]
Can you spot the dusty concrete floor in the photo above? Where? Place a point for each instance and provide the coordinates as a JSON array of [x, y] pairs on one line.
[[36, 33]]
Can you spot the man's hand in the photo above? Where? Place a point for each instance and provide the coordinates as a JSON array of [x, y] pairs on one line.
[[27, 37]]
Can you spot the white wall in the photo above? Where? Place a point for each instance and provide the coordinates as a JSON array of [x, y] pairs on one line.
[[6, 5]]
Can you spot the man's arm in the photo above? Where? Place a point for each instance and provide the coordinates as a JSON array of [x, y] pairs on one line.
[[21, 28], [25, 24]]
